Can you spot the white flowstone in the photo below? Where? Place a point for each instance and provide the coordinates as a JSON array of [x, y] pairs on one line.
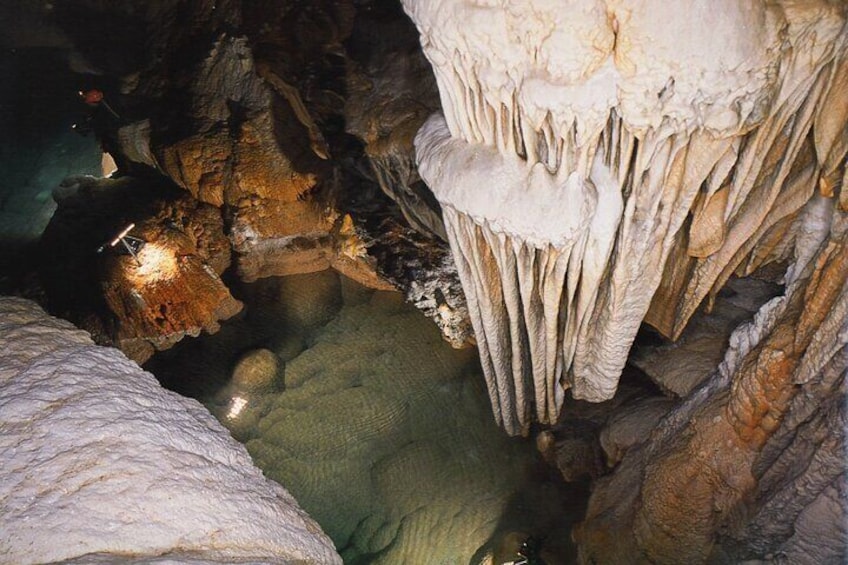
[[585, 142], [100, 463]]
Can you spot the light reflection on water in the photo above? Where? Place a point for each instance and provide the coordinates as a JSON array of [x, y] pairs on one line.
[[380, 430]]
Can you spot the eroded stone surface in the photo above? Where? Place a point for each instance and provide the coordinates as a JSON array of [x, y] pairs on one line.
[[170, 289], [275, 113], [101, 463], [757, 455], [391, 92], [679, 367]]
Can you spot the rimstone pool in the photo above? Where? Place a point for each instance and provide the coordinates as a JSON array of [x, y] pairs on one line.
[[383, 432]]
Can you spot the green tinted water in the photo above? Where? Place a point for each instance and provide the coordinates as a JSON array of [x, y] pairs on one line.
[[381, 431]]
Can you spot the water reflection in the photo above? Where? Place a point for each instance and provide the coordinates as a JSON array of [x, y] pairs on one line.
[[382, 432]]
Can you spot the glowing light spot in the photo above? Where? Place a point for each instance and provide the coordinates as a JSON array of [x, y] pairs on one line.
[[156, 262], [107, 165], [237, 404]]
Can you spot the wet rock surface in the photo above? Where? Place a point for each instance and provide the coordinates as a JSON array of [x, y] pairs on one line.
[[167, 288], [383, 427]]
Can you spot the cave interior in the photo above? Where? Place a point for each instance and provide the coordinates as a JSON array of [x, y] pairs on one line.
[[474, 281]]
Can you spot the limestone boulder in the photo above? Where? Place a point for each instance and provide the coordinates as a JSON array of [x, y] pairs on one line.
[[157, 479], [258, 371], [246, 150], [679, 367], [632, 425]]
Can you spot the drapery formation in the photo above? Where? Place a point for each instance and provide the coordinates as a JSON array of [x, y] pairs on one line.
[[601, 163]]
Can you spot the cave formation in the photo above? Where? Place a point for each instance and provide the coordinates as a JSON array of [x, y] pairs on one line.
[[597, 171], [602, 166], [544, 180]]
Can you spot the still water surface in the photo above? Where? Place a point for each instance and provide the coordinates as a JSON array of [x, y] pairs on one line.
[[381, 431]]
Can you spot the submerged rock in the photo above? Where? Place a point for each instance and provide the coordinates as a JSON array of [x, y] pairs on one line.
[[258, 371], [383, 435], [101, 464]]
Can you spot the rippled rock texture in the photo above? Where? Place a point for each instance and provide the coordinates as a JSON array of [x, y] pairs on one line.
[[381, 430], [170, 288], [102, 464]]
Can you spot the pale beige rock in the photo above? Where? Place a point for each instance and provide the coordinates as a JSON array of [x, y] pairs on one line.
[[599, 166], [679, 367], [103, 465], [258, 371]]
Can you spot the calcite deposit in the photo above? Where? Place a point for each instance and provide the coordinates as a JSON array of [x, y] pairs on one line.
[[606, 163], [101, 464], [752, 465]]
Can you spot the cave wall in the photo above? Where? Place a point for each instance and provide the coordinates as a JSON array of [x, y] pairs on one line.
[[285, 119], [752, 464]]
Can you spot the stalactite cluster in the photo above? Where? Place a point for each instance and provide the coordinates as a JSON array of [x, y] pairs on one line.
[[598, 168]]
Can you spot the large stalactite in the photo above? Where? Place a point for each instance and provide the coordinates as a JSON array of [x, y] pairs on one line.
[[601, 163]]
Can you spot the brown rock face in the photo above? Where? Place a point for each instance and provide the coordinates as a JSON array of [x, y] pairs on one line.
[[290, 117], [679, 367], [168, 293], [758, 453], [249, 154], [170, 288]]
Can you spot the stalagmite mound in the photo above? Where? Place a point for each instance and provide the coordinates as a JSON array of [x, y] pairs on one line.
[[101, 464]]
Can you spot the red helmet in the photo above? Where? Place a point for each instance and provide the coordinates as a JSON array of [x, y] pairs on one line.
[[91, 97]]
